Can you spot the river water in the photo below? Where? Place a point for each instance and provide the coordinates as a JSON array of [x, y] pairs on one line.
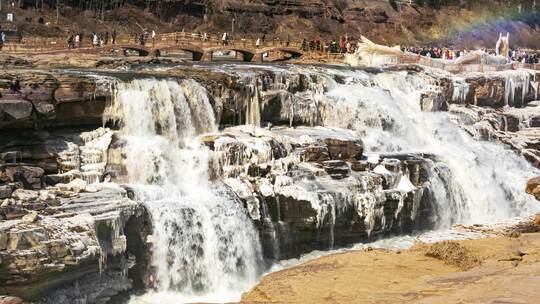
[[206, 248]]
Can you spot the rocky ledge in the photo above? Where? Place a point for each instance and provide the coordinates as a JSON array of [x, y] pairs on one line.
[[533, 187], [518, 128], [314, 188], [64, 235], [496, 106], [67, 233]]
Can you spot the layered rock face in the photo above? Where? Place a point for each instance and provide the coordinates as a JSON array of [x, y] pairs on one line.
[[313, 188], [33, 98], [499, 107], [305, 162], [61, 235]]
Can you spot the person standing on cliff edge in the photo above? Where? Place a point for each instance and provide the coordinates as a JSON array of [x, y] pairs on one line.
[[224, 39], [2, 39]]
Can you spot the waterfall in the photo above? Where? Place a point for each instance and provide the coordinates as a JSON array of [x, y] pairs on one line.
[[480, 182], [205, 248]]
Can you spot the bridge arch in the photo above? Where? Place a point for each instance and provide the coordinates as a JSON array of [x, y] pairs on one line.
[[196, 52], [247, 54], [295, 53], [142, 50]]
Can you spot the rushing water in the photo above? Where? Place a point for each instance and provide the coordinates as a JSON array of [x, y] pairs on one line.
[[475, 181], [205, 248]]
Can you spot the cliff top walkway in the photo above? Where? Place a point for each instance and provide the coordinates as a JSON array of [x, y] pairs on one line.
[[201, 49]]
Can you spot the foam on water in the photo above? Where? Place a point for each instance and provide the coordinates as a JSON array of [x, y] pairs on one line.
[[205, 248], [482, 181]]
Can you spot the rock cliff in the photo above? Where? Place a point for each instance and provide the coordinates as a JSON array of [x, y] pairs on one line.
[[70, 229]]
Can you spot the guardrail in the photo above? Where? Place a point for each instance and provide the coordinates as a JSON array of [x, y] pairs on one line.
[[40, 44]]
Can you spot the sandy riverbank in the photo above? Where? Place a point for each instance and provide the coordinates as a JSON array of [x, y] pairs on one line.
[[503, 269]]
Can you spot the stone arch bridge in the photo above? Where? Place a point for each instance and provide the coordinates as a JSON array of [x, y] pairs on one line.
[[201, 48], [198, 52]]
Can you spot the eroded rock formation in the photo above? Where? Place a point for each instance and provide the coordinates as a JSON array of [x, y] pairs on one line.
[[533, 187], [313, 188], [66, 217]]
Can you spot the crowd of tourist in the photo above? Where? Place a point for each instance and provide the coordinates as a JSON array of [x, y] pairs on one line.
[[435, 52], [96, 40], [342, 45], [530, 57]]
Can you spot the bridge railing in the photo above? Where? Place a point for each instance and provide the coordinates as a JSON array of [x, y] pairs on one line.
[[42, 44]]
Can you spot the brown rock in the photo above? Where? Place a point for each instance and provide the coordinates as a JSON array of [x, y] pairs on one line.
[[315, 153], [336, 168], [10, 300], [12, 212], [29, 176], [5, 191], [344, 149], [535, 122], [533, 187], [15, 109], [30, 217], [359, 166]]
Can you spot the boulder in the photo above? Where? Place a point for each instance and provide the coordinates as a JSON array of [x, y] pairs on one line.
[[28, 176], [315, 153], [534, 121], [337, 169], [25, 195], [30, 217], [344, 149], [5, 191], [10, 300], [533, 187], [15, 109]]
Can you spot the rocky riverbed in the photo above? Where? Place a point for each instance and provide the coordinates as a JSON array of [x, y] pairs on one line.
[[295, 153]]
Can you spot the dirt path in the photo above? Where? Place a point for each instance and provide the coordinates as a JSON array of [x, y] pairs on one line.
[[495, 270]]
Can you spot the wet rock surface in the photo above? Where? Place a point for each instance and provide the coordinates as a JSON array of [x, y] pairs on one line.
[[533, 187], [516, 128], [301, 201], [67, 233]]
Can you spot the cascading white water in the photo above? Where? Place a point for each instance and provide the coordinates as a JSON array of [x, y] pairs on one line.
[[205, 248], [479, 181], [472, 181]]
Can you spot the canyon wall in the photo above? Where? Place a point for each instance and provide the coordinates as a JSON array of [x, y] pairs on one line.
[[305, 180]]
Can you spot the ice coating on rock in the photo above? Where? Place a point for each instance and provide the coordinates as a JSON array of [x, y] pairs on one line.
[[203, 242]]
